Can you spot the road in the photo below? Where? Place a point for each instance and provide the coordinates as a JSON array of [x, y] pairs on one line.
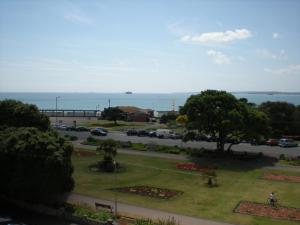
[[274, 151]]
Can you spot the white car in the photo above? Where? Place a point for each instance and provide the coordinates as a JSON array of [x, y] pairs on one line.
[[286, 142]]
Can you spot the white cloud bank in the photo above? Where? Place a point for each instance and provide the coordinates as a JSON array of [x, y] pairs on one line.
[[218, 57], [218, 37], [290, 69]]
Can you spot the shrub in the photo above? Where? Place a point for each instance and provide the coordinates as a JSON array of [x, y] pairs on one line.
[[282, 157], [169, 221], [73, 138], [85, 211], [91, 139]]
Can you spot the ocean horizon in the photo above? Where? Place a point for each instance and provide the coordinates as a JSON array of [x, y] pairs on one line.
[[155, 101]]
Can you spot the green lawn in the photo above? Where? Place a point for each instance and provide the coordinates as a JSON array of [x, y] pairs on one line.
[[121, 125], [237, 181]]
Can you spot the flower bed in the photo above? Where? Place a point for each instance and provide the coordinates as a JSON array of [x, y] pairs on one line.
[[259, 209], [83, 153], [281, 177], [152, 192], [195, 167]]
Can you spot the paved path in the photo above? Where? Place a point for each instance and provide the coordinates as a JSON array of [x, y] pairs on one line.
[[141, 212]]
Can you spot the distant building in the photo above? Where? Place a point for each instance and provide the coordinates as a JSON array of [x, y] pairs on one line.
[[136, 114], [161, 113]]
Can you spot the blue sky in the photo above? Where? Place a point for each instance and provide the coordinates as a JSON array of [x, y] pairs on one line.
[[149, 46]]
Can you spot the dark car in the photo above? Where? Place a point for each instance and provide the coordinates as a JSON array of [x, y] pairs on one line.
[[142, 133], [176, 136], [71, 128], [82, 129], [98, 132], [131, 132], [272, 142], [152, 134], [258, 142]]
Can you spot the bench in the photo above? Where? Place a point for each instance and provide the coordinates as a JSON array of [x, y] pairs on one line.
[[97, 205]]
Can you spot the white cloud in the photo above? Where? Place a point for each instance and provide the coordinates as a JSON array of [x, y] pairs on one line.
[[290, 69], [218, 37], [218, 57], [266, 54], [77, 17], [275, 35]]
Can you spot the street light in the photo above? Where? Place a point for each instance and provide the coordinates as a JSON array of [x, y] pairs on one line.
[[116, 196], [56, 98]]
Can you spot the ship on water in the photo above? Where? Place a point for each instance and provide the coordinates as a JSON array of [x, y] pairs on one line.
[[128, 92]]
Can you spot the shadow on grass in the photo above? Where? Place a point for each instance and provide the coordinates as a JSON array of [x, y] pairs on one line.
[[234, 161]]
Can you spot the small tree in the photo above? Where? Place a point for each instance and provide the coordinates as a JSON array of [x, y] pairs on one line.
[[109, 147], [112, 114], [210, 178]]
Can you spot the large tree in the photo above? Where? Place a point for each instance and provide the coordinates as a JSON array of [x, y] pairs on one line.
[[221, 115], [17, 114], [112, 114], [35, 164], [283, 117]]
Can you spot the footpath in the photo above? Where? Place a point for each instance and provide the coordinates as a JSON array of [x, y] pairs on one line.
[[141, 212]]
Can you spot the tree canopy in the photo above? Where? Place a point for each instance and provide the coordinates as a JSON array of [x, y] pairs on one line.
[[17, 114], [35, 163], [284, 118], [221, 115], [112, 114]]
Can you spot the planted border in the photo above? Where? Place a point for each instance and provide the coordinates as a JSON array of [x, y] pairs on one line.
[[195, 167], [153, 192], [265, 210], [280, 177]]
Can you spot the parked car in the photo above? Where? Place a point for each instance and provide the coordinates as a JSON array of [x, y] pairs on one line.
[[176, 136], [258, 142], [152, 133], [142, 133], [98, 132], [83, 129], [163, 133], [71, 128], [286, 142], [272, 142], [132, 132]]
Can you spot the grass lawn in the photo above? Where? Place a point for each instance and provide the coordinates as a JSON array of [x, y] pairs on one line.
[[237, 181], [121, 125]]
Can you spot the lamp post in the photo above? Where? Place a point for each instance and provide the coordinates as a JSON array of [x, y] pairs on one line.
[[116, 196], [56, 98]]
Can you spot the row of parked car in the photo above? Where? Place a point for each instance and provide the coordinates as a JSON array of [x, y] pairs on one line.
[[283, 142], [159, 133], [70, 128]]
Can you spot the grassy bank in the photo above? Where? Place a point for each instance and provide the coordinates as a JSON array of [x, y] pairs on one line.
[[237, 181]]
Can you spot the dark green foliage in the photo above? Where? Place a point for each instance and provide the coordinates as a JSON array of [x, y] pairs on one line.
[[112, 114], [34, 166], [284, 118], [221, 115], [16, 114], [109, 147], [169, 117]]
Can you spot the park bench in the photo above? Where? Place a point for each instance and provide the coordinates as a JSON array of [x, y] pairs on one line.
[[109, 207]]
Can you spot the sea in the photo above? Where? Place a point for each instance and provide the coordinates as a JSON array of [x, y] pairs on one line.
[[158, 102]]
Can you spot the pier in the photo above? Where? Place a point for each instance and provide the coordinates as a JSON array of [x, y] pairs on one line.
[[70, 113]]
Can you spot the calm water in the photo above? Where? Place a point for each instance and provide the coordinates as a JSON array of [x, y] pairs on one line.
[[152, 101]]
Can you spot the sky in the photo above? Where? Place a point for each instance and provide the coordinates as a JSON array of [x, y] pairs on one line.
[[156, 46]]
